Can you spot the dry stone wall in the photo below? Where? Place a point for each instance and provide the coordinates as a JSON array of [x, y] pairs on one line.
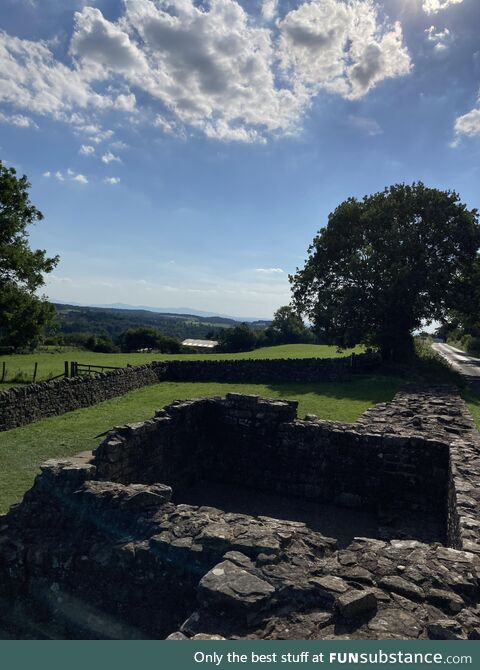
[[20, 406], [23, 405], [99, 547]]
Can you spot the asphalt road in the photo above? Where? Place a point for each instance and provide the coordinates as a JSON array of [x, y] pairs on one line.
[[467, 365]]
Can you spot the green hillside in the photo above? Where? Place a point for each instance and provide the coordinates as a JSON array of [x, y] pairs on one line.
[[113, 321]]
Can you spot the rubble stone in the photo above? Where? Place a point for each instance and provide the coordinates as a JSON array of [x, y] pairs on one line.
[[105, 529]]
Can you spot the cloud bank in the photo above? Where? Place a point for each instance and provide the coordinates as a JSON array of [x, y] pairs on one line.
[[208, 66]]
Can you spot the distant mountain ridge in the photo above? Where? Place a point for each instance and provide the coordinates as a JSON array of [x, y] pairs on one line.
[[181, 311], [112, 321]]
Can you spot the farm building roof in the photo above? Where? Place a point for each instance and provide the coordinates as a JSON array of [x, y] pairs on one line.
[[206, 344]]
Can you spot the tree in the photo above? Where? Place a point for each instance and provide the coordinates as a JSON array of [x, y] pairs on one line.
[[287, 327], [23, 315], [462, 325], [386, 265], [135, 339], [101, 344], [240, 338]]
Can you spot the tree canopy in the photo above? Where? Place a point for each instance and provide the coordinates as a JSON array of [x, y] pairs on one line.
[[23, 315], [135, 339], [384, 266], [240, 338], [287, 327]]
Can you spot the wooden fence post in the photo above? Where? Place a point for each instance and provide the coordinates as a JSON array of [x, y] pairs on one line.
[[65, 368], [3, 371], [35, 372]]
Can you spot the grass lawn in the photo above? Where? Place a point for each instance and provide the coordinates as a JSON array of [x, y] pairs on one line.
[[23, 449], [51, 363]]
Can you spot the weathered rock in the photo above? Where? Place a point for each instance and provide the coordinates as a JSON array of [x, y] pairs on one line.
[[444, 630], [395, 623], [229, 586], [445, 600], [355, 603], [402, 586]]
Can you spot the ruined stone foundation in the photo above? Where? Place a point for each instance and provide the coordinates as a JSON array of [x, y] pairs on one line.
[[231, 518]]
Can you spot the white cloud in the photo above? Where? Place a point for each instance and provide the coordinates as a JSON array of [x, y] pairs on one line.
[[125, 102], [31, 79], [119, 145], [87, 150], [270, 271], [18, 120], [168, 127], [366, 125], [214, 67], [434, 6], [113, 181], [70, 174], [94, 132], [468, 124], [341, 47], [439, 38], [108, 157], [80, 179], [103, 44], [269, 9]]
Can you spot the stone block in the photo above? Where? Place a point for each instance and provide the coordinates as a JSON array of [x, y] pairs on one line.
[[353, 603]]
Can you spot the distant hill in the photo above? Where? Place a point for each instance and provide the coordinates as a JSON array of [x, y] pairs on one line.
[[112, 321], [183, 311]]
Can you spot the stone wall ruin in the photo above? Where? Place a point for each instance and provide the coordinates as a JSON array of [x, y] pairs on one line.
[[128, 543]]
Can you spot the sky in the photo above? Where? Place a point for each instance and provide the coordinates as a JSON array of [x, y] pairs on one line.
[[185, 153]]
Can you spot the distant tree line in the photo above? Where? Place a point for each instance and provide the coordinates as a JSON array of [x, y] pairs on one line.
[[286, 328]]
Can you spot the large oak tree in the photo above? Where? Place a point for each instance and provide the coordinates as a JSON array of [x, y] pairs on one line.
[[23, 314], [385, 265]]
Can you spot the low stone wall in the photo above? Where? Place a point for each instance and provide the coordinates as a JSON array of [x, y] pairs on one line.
[[99, 548], [304, 370], [20, 406]]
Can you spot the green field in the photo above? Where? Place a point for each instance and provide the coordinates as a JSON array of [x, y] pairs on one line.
[[23, 449], [19, 367]]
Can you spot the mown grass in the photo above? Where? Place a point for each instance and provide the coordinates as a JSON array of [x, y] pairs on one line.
[[51, 363], [22, 450]]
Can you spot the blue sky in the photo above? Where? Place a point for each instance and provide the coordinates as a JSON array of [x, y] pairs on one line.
[[185, 152]]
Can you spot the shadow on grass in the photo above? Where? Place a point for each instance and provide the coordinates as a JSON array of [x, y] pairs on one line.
[[365, 388], [424, 368]]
